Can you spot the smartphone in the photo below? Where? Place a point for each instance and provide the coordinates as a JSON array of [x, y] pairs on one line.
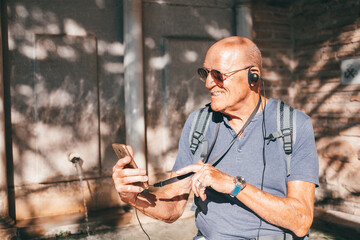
[[121, 152]]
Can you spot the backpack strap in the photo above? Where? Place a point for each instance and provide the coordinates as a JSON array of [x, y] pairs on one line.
[[198, 130], [197, 134], [286, 130]]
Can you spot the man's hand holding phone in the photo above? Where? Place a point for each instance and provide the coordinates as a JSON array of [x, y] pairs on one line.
[[128, 178]]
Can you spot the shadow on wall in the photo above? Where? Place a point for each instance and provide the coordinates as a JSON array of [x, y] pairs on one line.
[[322, 41], [66, 77], [65, 71], [66, 91], [320, 35], [176, 42]]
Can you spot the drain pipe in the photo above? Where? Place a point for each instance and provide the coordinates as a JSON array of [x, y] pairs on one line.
[[244, 23], [4, 203], [7, 230], [134, 80]]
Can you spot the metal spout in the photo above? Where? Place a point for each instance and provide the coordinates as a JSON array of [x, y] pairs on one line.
[[72, 157]]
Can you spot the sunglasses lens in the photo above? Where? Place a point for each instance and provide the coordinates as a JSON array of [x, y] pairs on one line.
[[203, 74], [216, 75]]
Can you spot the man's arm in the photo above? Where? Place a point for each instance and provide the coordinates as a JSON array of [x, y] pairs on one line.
[[293, 212], [166, 205]]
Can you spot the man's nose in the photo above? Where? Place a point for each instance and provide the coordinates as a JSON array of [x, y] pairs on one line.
[[210, 82]]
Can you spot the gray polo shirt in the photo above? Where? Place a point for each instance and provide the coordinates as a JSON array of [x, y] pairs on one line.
[[223, 217]]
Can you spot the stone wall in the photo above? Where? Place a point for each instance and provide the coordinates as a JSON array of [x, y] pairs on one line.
[[303, 45]]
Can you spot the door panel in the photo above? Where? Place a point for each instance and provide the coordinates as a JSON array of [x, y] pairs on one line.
[[66, 106], [65, 71], [176, 38]]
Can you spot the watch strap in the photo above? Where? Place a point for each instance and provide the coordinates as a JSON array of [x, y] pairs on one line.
[[236, 190], [240, 183]]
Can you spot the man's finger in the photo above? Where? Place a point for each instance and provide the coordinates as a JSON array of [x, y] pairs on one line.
[[134, 179], [130, 150], [188, 169], [124, 172], [122, 163], [202, 195], [195, 187], [128, 188]]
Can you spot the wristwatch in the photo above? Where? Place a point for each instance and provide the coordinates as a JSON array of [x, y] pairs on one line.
[[240, 184]]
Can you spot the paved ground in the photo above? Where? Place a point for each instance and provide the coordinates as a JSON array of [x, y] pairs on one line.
[[181, 229], [122, 224], [185, 229]]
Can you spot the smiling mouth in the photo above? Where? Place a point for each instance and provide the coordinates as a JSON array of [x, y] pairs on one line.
[[216, 93]]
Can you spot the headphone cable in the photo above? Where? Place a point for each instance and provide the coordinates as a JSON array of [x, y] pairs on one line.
[[263, 153], [137, 217]]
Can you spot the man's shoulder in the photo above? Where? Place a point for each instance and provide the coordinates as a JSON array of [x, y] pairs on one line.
[[202, 111], [300, 114], [194, 115]]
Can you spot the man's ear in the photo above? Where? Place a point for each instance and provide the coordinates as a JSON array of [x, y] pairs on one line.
[[253, 76]]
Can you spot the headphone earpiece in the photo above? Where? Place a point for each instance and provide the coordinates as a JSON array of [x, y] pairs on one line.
[[252, 77]]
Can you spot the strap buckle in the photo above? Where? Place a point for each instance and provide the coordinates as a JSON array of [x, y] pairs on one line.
[[287, 138], [197, 138]]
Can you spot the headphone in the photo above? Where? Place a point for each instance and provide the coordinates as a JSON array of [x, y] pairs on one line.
[[252, 77]]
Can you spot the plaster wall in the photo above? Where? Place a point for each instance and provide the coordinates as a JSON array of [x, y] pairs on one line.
[[66, 84], [176, 36], [66, 75]]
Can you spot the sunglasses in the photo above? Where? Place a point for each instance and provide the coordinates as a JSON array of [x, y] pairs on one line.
[[217, 75]]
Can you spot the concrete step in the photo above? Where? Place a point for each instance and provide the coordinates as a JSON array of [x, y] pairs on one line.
[[122, 220], [75, 223]]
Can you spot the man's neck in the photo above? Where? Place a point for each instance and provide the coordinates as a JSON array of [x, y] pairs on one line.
[[238, 118]]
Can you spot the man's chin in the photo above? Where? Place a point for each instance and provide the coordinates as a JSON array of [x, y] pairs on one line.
[[216, 107]]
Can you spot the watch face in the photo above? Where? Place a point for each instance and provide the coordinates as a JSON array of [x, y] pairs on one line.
[[240, 181]]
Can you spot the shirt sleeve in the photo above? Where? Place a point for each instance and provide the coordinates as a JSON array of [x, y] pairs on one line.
[[304, 162]]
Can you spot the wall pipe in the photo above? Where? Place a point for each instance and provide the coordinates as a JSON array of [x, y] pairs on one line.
[[7, 229], [244, 23], [4, 203], [134, 80]]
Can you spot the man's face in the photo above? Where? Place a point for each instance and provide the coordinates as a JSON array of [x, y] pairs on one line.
[[227, 96]]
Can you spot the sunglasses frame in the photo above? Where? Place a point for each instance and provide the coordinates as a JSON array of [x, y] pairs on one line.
[[216, 74]]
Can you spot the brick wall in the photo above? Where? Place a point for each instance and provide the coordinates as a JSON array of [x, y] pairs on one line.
[[273, 34], [303, 45], [325, 33]]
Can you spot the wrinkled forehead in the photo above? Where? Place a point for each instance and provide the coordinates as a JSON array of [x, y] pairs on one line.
[[225, 56]]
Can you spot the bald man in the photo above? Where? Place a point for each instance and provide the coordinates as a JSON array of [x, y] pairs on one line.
[[247, 193]]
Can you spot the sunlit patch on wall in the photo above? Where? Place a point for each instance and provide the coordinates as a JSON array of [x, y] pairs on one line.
[[73, 28], [160, 62], [191, 56]]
